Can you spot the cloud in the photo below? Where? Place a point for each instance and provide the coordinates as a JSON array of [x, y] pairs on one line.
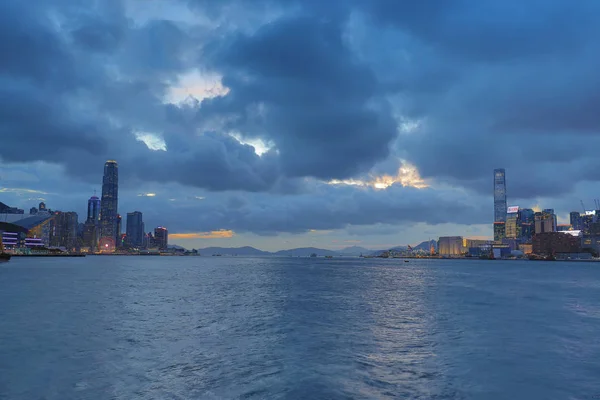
[[220, 234], [253, 105]]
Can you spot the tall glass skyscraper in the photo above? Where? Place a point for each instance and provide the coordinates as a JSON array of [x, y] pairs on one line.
[[109, 202], [93, 212], [135, 229], [499, 195], [500, 207]]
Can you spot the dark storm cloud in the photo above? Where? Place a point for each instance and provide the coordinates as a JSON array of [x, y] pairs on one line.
[[329, 83], [325, 208], [320, 106]]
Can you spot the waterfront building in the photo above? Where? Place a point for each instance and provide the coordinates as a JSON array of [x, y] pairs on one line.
[[450, 245], [93, 210], [64, 230], [42, 206], [549, 243], [33, 211], [161, 237], [135, 229], [109, 204], [90, 235]]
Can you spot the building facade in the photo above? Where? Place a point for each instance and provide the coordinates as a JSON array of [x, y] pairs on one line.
[[161, 237], [500, 207], [64, 230], [499, 195], [109, 202], [135, 229], [545, 222], [93, 210], [513, 226], [450, 245], [549, 243]]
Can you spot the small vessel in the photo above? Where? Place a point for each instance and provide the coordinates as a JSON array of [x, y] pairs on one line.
[[328, 256]]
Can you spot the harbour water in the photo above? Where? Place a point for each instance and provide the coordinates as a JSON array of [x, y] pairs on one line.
[[291, 328]]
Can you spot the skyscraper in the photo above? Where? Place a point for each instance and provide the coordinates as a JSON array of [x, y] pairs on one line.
[[499, 202], [499, 195], [161, 237], [575, 220], [93, 211], [109, 202], [135, 229]]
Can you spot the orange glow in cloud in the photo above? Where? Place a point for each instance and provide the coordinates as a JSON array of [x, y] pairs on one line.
[[221, 234], [407, 176]]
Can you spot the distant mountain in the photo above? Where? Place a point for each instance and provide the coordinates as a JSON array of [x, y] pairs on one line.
[[426, 245], [233, 251], [174, 246], [306, 252], [354, 251]]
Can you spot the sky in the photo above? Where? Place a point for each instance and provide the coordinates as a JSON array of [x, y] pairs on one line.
[[293, 123]]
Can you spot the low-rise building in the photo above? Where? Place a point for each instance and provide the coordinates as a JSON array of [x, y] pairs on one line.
[[450, 245], [549, 243]]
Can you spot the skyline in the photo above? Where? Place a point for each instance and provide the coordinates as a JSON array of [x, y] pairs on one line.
[[386, 136]]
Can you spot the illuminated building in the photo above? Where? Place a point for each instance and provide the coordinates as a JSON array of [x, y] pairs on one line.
[[499, 195], [39, 226], [499, 231], [93, 210], [161, 237], [512, 227], [109, 203], [586, 222], [42, 206], [90, 235], [64, 230], [527, 215], [549, 243], [135, 229], [545, 222], [450, 245]]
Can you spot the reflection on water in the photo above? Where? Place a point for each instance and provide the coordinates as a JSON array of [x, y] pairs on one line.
[[181, 328]]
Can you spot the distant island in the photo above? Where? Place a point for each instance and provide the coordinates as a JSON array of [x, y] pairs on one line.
[[352, 251]]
